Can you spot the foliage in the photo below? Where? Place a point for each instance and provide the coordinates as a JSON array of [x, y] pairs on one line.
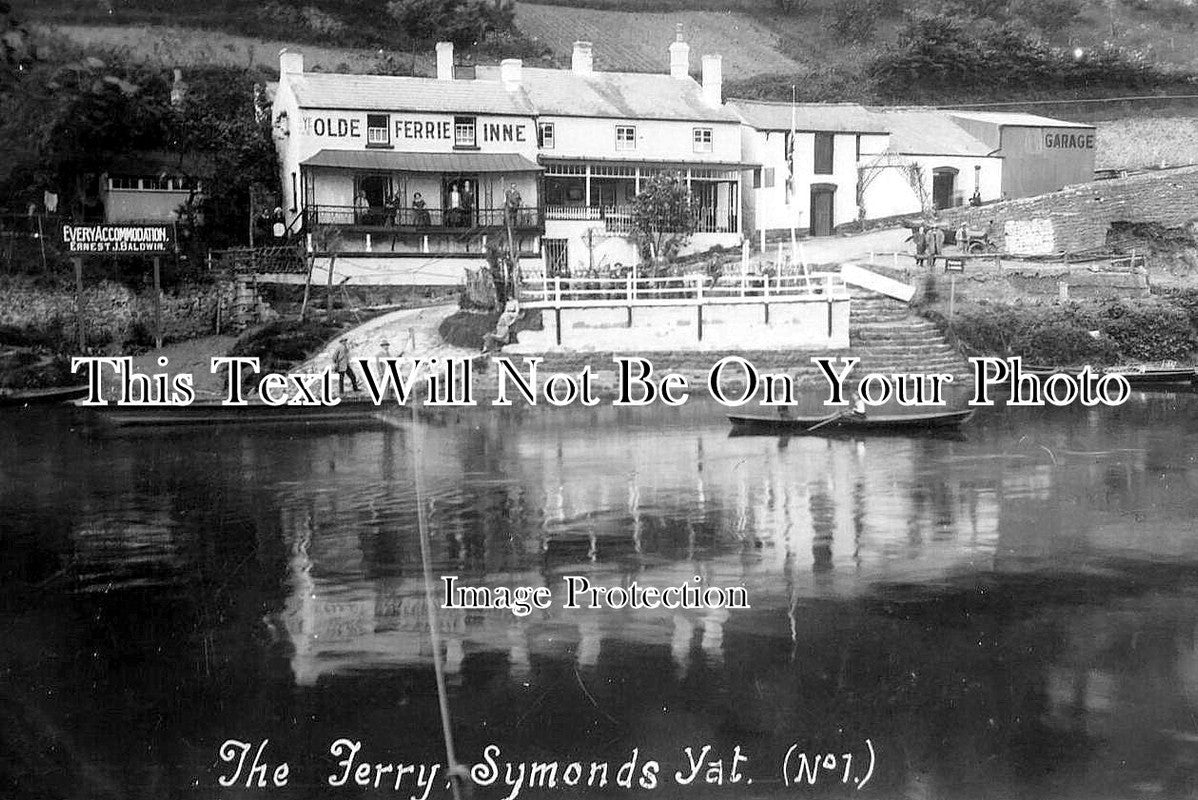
[[856, 21], [949, 55], [285, 343], [466, 23], [664, 215], [1095, 333], [64, 121]]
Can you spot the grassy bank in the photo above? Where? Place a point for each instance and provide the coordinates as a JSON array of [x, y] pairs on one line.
[[1147, 330]]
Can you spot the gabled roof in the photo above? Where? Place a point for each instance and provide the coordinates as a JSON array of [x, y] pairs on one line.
[[823, 117], [390, 93], [619, 95], [926, 131]]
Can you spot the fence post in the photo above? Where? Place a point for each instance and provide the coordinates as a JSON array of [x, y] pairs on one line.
[[557, 289]]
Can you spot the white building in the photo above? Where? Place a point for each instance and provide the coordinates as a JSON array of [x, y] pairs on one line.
[[412, 173], [853, 163]]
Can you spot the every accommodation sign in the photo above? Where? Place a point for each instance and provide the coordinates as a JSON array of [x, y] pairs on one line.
[[145, 239]]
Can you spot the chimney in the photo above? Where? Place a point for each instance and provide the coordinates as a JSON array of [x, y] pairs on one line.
[[290, 63], [444, 61], [680, 55], [583, 62], [509, 72], [713, 79]]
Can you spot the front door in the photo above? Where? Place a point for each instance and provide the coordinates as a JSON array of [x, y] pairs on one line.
[[944, 187], [823, 209]]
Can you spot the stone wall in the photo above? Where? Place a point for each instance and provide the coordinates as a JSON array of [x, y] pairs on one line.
[[1076, 219], [115, 315]]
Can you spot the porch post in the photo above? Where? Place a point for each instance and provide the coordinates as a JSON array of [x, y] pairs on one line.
[[586, 201]]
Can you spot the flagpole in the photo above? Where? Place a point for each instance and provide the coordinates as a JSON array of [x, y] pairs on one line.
[[794, 246]]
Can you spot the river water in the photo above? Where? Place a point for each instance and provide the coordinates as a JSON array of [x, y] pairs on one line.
[[1011, 613]]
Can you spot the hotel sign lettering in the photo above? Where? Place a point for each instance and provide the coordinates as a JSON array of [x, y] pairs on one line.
[[423, 130], [147, 239]]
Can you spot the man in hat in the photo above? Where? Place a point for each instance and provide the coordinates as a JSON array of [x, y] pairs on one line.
[[381, 358], [342, 366]]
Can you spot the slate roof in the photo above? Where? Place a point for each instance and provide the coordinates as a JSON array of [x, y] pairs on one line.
[[832, 117], [619, 95], [1017, 119], [390, 93], [924, 131]]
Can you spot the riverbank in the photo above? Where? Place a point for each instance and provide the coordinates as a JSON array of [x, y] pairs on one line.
[[1159, 328]]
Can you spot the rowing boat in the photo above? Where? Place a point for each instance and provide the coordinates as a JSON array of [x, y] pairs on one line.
[[1135, 375], [913, 421], [32, 397], [208, 413]]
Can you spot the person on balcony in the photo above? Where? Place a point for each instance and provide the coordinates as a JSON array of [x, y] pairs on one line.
[[390, 209], [467, 202], [511, 205], [361, 208], [455, 206], [420, 211]]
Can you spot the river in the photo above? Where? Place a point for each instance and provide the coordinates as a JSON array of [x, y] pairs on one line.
[[1010, 613]]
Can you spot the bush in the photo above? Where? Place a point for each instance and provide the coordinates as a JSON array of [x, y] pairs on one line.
[[1108, 333], [284, 343]]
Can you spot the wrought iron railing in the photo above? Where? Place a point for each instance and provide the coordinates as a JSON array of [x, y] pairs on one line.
[[422, 219]]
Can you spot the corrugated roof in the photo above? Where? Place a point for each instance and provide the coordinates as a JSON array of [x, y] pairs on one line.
[[391, 93], [390, 160], [928, 132], [833, 117], [619, 95], [1017, 119]]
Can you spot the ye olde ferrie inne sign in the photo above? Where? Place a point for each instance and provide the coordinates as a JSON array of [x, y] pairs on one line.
[[133, 239]]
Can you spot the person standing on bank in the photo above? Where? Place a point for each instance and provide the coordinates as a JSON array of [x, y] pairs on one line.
[[342, 366], [936, 239]]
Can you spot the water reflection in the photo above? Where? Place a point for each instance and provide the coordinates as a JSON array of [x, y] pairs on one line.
[[1008, 614]]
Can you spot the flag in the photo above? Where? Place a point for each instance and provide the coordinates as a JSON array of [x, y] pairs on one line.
[[790, 151]]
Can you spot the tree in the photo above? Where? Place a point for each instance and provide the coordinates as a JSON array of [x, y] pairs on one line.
[[664, 215], [463, 22]]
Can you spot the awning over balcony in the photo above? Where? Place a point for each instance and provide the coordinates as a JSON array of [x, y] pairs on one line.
[[391, 161]]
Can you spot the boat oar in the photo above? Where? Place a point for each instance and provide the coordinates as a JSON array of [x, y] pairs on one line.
[[829, 420]]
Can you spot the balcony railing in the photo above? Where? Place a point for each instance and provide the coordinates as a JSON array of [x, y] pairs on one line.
[[680, 290], [421, 219], [618, 219]]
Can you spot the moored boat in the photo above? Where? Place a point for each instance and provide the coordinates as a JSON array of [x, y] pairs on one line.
[[31, 397], [1136, 375], [205, 412]]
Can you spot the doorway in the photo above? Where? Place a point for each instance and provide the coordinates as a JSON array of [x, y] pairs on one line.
[[944, 187], [823, 209]]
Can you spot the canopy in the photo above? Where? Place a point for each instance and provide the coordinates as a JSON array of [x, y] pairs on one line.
[[391, 161]]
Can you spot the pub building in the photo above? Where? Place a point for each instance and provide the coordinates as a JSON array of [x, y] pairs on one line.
[[413, 173]]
